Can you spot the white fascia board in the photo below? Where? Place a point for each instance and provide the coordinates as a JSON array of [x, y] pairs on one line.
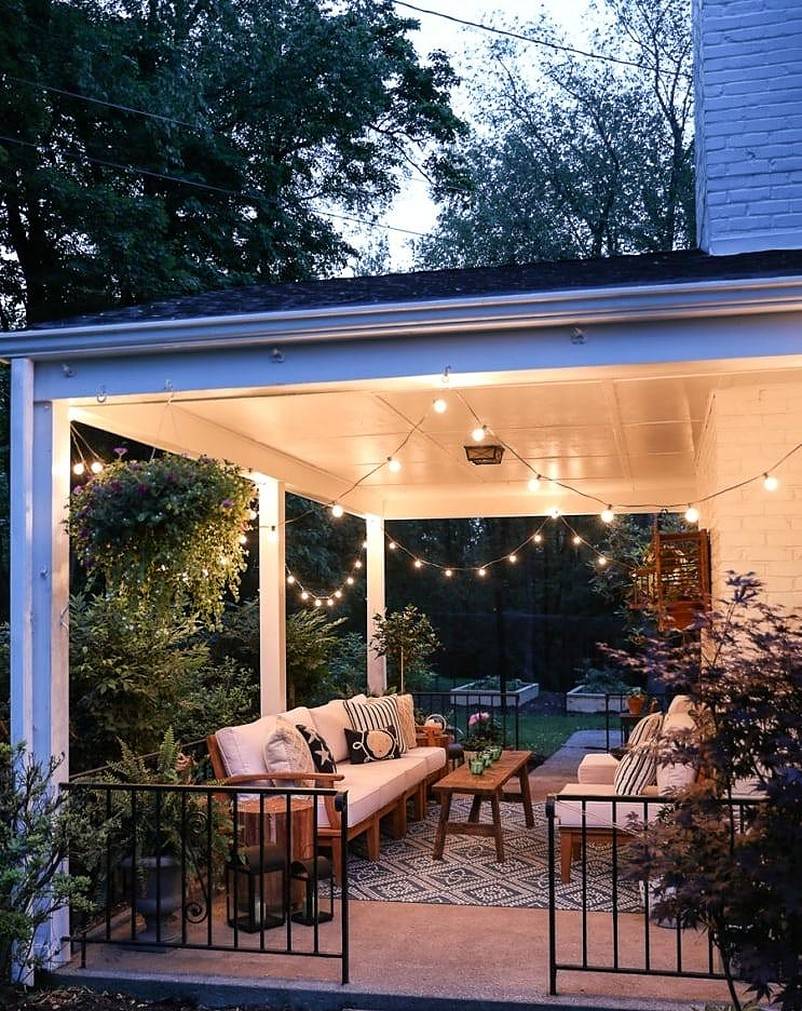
[[364, 322]]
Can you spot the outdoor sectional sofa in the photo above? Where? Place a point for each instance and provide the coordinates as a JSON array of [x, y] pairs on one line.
[[376, 790]]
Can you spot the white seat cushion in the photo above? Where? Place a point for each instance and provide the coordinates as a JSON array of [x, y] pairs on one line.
[[435, 757], [370, 787], [242, 747], [598, 813], [597, 769]]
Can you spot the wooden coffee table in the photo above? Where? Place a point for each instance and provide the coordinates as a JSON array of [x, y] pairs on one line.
[[488, 786]]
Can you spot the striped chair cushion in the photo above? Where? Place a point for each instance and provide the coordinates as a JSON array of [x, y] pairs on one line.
[[636, 770], [376, 714], [647, 729]]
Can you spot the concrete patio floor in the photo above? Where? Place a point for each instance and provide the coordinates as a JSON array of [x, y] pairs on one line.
[[414, 956]]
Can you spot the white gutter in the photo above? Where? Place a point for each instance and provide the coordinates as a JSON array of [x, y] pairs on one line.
[[400, 319]]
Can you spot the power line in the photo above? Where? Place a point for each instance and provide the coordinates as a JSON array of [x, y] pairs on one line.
[[253, 197]]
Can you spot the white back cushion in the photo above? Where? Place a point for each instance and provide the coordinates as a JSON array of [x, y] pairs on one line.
[[242, 748], [675, 775], [330, 722], [680, 704]]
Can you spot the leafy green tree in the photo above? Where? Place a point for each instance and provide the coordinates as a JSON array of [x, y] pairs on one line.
[[408, 640], [277, 113], [582, 158]]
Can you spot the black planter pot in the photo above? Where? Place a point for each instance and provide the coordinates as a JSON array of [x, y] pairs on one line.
[[158, 899]]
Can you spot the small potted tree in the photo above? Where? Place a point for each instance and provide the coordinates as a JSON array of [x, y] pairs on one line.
[[407, 639]]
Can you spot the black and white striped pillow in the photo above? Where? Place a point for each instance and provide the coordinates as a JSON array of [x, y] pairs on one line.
[[647, 729], [636, 770], [376, 714]]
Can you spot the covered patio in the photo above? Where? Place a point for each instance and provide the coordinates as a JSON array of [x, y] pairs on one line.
[[632, 385]]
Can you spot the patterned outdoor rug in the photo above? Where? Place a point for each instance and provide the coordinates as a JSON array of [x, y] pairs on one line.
[[469, 875]]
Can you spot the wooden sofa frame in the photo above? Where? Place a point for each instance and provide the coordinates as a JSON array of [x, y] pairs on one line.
[[330, 836]]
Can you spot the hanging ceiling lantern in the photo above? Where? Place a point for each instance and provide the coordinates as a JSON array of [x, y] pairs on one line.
[[485, 456], [674, 584]]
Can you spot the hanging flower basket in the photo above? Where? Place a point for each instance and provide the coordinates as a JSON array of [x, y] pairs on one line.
[[169, 529]]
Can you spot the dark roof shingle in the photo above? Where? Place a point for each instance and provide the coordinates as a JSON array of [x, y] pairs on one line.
[[421, 286]]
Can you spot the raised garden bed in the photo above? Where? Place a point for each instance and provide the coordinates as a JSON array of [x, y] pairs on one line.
[[487, 694], [578, 700]]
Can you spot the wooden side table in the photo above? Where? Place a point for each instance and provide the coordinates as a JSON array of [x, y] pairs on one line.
[[301, 830]]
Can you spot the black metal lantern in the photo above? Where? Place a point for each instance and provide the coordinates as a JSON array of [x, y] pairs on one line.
[[248, 893], [306, 872]]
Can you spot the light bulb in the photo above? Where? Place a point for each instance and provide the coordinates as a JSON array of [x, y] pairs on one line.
[[304, 595], [96, 467], [770, 482], [445, 378], [393, 464], [338, 594], [318, 602], [479, 433], [482, 571], [252, 514], [607, 515], [512, 558], [449, 573], [357, 564], [577, 540], [440, 405], [330, 602], [537, 538], [242, 539], [364, 544], [392, 545], [534, 483], [350, 580], [418, 563], [692, 514], [78, 469], [290, 579], [602, 561], [337, 510], [554, 512]]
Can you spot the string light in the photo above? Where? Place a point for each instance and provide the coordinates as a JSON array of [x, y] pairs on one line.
[[770, 482], [304, 595], [449, 573], [482, 571], [537, 538], [291, 579], [512, 558], [418, 563], [554, 512], [338, 594], [534, 483], [392, 545], [440, 406], [358, 564], [318, 602], [350, 580], [364, 544], [393, 464], [607, 515], [330, 602], [445, 378], [96, 467], [252, 515], [479, 433], [78, 469], [242, 539], [577, 540], [337, 510], [272, 534], [692, 514], [601, 561]]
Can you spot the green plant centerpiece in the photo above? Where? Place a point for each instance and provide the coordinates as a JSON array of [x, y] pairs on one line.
[[170, 529], [483, 732], [161, 831]]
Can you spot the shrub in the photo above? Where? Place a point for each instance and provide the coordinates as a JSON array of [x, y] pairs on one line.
[[408, 640], [739, 882], [38, 827]]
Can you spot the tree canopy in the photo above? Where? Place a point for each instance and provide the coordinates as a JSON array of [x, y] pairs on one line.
[[575, 157], [275, 115]]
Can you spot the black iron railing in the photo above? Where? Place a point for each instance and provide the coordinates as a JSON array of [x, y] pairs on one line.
[[217, 868], [617, 935], [458, 706]]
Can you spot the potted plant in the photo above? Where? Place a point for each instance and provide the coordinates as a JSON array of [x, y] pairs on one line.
[[166, 827], [483, 731], [407, 639], [636, 701]]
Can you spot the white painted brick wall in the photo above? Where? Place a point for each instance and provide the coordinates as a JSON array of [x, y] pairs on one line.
[[752, 530], [748, 91]]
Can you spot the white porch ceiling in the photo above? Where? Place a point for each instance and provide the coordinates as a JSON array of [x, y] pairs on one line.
[[627, 436]]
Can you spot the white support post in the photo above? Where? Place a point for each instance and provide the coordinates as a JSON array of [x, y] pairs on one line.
[[40, 487], [272, 598], [377, 665]]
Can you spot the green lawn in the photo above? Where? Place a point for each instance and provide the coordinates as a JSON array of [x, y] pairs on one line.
[[547, 732]]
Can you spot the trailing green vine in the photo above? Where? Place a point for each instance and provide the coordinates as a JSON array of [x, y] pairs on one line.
[[170, 530]]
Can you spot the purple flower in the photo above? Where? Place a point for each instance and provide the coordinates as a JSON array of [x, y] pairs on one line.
[[226, 503], [478, 718], [120, 451]]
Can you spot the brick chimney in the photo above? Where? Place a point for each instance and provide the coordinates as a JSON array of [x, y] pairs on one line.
[[748, 88]]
